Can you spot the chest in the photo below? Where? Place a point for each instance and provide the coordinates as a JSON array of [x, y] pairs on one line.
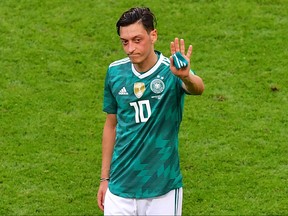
[[128, 88]]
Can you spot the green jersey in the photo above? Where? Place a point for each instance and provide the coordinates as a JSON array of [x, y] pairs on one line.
[[149, 109]]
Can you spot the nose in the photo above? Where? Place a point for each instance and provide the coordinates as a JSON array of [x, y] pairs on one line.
[[131, 47]]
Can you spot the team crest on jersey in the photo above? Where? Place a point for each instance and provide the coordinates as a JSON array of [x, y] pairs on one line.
[[157, 86], [139, 89]]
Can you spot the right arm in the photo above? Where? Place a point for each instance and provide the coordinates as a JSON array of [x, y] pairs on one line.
[[108, 141]]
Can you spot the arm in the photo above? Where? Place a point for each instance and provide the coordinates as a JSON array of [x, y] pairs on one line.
[[108, 141], [191, 83]]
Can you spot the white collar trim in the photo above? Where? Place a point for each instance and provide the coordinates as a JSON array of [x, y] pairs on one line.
[[149, 72]]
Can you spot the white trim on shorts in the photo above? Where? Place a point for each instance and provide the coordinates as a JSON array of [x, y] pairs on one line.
[[168, 204]]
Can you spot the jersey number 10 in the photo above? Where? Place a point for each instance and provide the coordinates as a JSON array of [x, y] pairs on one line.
[[142, 110]]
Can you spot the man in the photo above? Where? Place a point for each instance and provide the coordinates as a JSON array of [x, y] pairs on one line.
[[143, 99]]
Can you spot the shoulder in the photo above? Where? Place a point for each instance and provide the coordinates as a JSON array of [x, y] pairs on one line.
[[118, 68], [120, 62], [163, 59]]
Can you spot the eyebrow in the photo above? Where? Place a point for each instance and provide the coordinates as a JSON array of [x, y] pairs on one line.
[[137, 36]]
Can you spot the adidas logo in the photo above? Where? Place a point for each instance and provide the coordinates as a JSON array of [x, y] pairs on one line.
[[123, 91]]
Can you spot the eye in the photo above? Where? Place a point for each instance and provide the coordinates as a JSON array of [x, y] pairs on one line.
[[137, 40], [124, 42]]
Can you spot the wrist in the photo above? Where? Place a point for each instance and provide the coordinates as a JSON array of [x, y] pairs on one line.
[[186, 78], [104, 179]]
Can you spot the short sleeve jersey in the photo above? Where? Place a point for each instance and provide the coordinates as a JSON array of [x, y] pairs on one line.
[[149, 107]]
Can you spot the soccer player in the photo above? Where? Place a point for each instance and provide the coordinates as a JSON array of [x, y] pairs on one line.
[[143, 99]]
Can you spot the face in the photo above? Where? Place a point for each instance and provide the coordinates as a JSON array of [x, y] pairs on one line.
[[137, 43]]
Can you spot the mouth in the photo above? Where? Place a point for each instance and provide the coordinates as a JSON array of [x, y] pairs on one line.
[[133, 55]]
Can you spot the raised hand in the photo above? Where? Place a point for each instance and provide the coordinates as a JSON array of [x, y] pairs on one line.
[[176, 47]]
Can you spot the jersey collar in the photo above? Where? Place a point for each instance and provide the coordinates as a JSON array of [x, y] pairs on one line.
[[152, 70]]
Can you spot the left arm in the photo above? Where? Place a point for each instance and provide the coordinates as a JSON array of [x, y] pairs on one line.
[[191, 83]]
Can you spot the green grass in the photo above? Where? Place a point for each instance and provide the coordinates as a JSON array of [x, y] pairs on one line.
[[53, 59]]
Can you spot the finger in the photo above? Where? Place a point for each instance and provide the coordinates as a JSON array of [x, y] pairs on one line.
[[182, 46], [100, 201], [189, 52], [171, 61], [176, 42], [172, 48]]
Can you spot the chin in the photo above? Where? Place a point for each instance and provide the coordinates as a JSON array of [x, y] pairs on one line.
[[135, 60]]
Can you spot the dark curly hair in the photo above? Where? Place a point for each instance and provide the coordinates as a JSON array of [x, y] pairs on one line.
[[136, 14]]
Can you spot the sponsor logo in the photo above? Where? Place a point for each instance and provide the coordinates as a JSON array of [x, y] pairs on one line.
[[123, 91]]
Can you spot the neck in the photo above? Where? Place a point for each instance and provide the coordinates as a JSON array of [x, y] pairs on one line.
[[147, 64]]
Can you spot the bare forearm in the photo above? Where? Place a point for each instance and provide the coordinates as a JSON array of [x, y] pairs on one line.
[[193, 84], [107, 151], [108, 142]]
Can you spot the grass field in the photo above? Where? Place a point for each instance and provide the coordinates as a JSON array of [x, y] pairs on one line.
[[53, 59]]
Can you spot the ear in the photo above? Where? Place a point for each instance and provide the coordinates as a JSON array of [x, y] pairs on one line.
[[153, 36]]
